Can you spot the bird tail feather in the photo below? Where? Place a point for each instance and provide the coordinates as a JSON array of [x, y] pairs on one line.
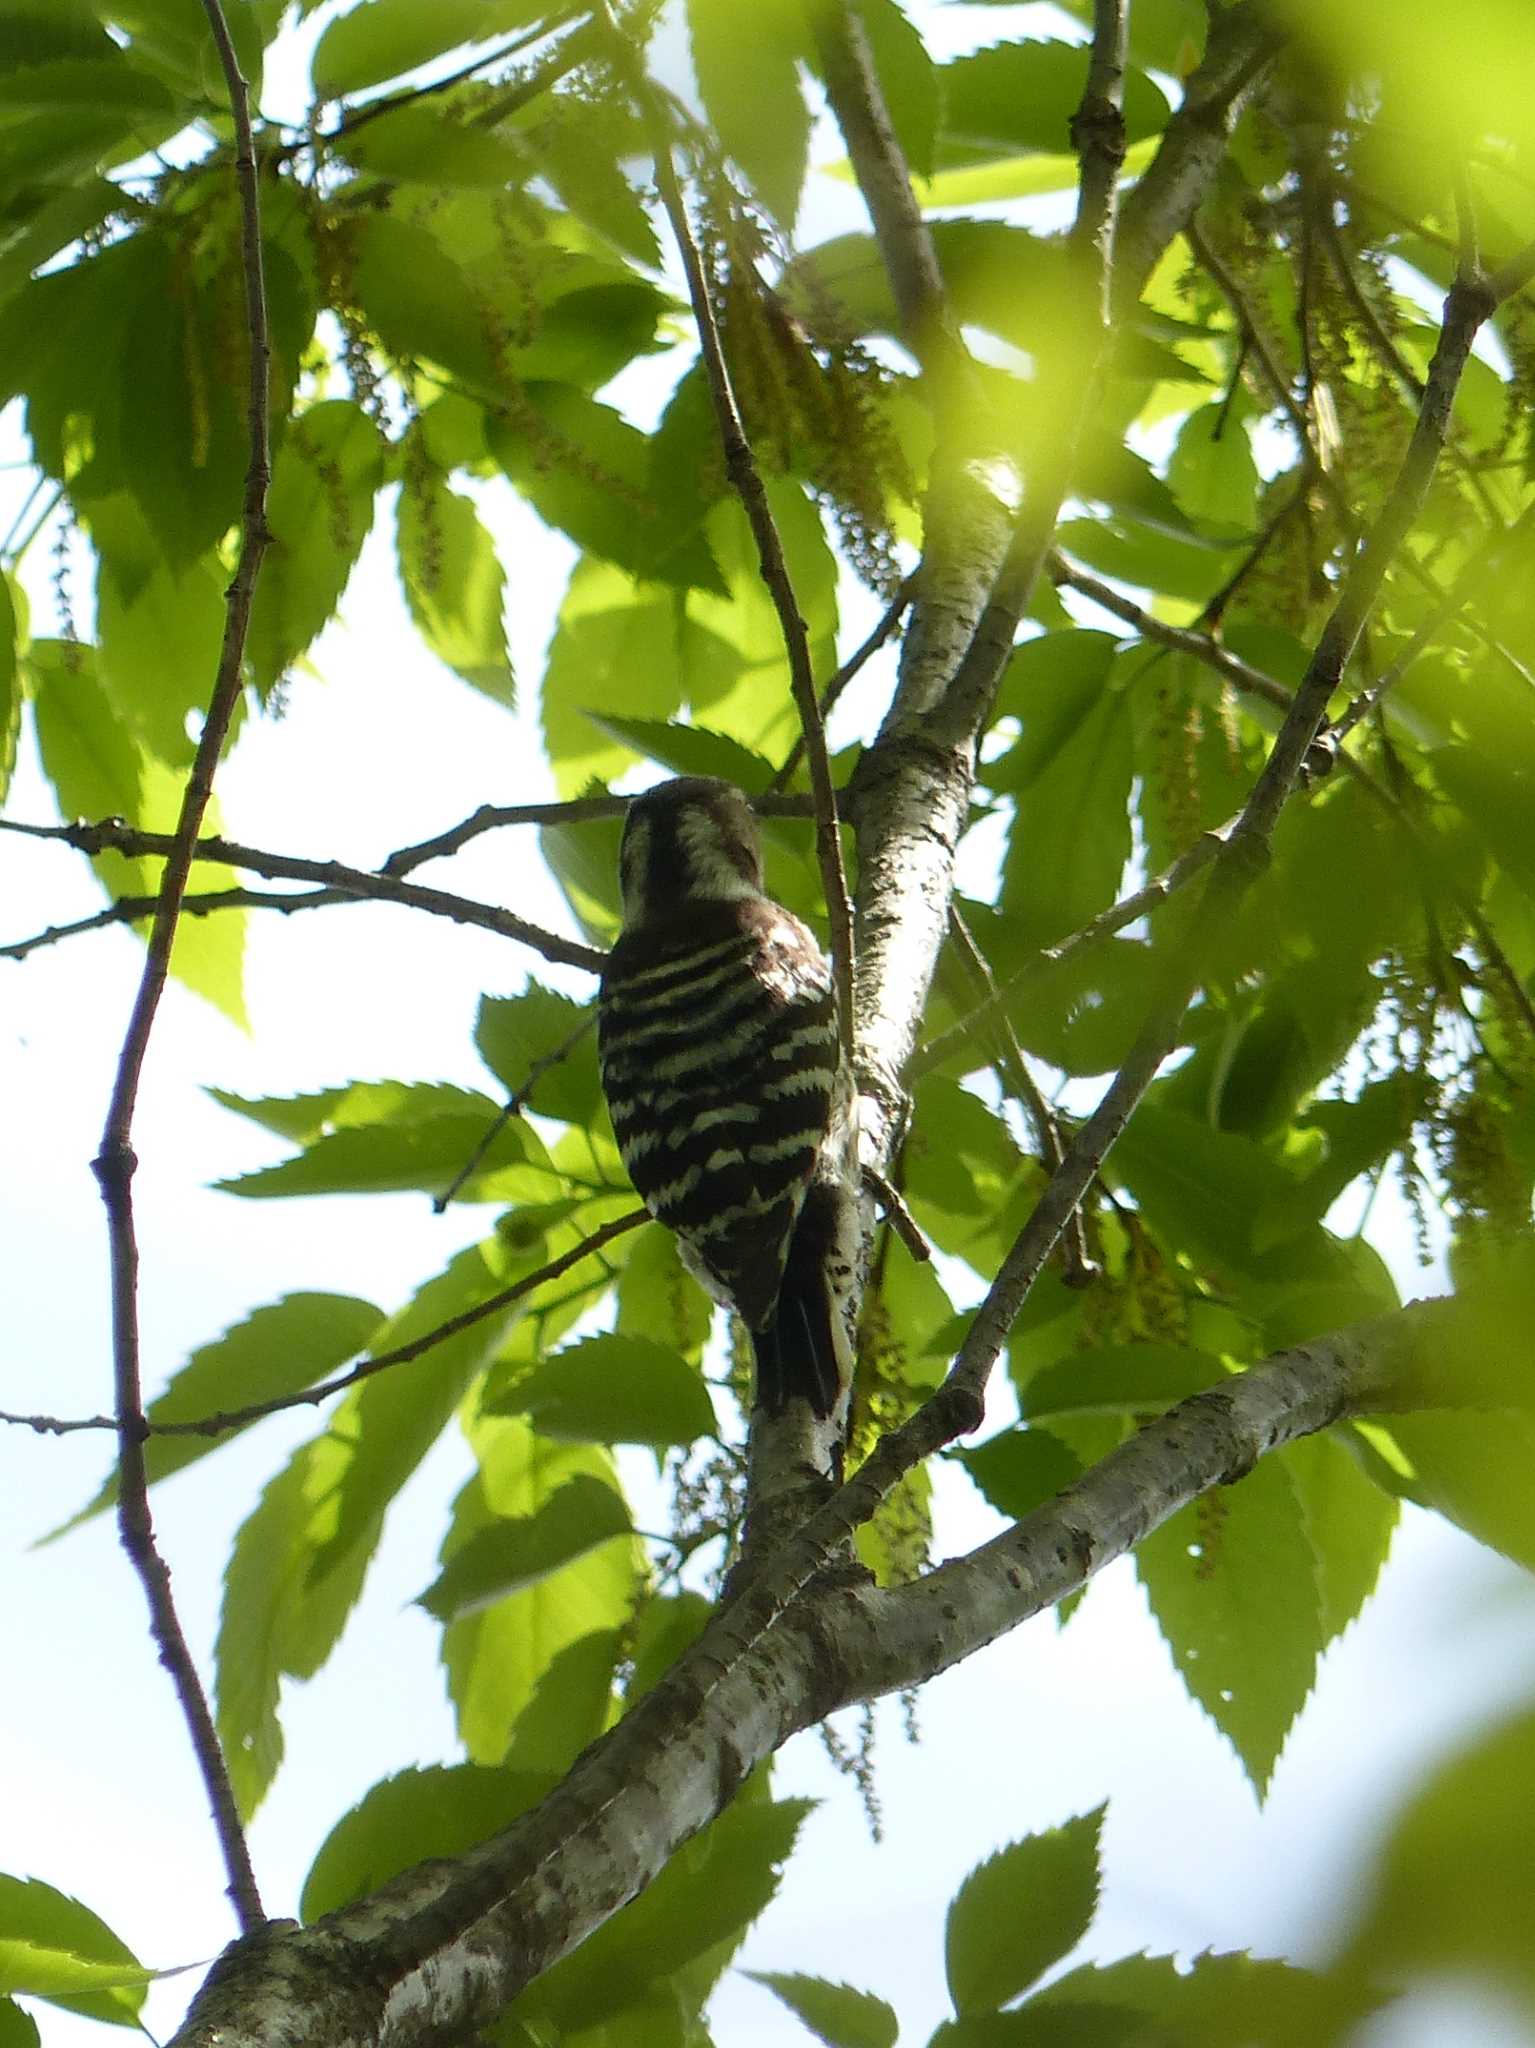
[[804, 1349]]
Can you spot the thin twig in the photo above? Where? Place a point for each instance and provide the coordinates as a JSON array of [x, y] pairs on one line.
[[889, 619], [309, 1397], [131, 909], [491, 817], [1013, 1073], [111, 835], [115, 1162], [897, 1215], [513, 1106], [741, 468]]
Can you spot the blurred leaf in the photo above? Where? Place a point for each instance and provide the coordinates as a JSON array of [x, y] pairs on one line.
[[751, 92], [10, 685], [1019, 1912], [1212, 471], [1217, 2001], [615, 643], [1023, 96], [1451, 1894], [1349, 1524], [1233, 1586], [1120, 1379], [420, 145], [571, 1705], [1474, 1469], [371, 44]]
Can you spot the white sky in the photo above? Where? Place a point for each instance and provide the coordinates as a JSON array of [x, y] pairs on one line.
[[98, 1795]]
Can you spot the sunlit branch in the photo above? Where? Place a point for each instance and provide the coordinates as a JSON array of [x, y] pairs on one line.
[[112, 836], [1098, 132], [115, 1162], [1243, 42]]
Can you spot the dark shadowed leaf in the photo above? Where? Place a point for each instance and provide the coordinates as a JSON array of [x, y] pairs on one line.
[[613, 1390]]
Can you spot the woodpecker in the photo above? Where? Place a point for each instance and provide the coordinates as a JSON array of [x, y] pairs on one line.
[[717, 1041]]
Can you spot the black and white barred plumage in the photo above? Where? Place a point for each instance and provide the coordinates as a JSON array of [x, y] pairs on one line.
[[717, 1038]]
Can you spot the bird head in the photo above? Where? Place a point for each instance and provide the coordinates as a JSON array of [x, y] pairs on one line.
[[691, 841]]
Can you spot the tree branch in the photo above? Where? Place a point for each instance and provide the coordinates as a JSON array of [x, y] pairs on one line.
[[1243, 42], [445, 1946], [115, 1162], [111, 835]]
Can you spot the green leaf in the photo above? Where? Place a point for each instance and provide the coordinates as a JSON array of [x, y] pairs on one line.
[[586, 470], [1020, 1469], [1019, 1912], [496, 1656], [98, 771], [909, 81], [1080, 798], [319, 510], [834, 2013], [749, 84], [1349, 1524], [10, 685], [1118, 1379], [453, 581], [1452, 1892], [436, 1810], [615, 643], [299, 1117], [571, 1706], [659, 1299], [53, 1947], [161, 632], [1212, 472], [370, 44], [1475, 1470], [1233, 1586], [1219, 2000], [276, 1350], [690, 749], [1022, 96], [515, 1034], [299, 1559], [667, 1625], [708, 1894], [392, 1137], [613, 1390], [18, 2029], [185, 440], [419, 145], [509, 1556]]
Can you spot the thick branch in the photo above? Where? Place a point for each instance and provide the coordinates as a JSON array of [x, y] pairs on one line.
[[445, 1946]]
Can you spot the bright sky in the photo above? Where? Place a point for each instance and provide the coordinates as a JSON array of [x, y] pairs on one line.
[[99, 1794]]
